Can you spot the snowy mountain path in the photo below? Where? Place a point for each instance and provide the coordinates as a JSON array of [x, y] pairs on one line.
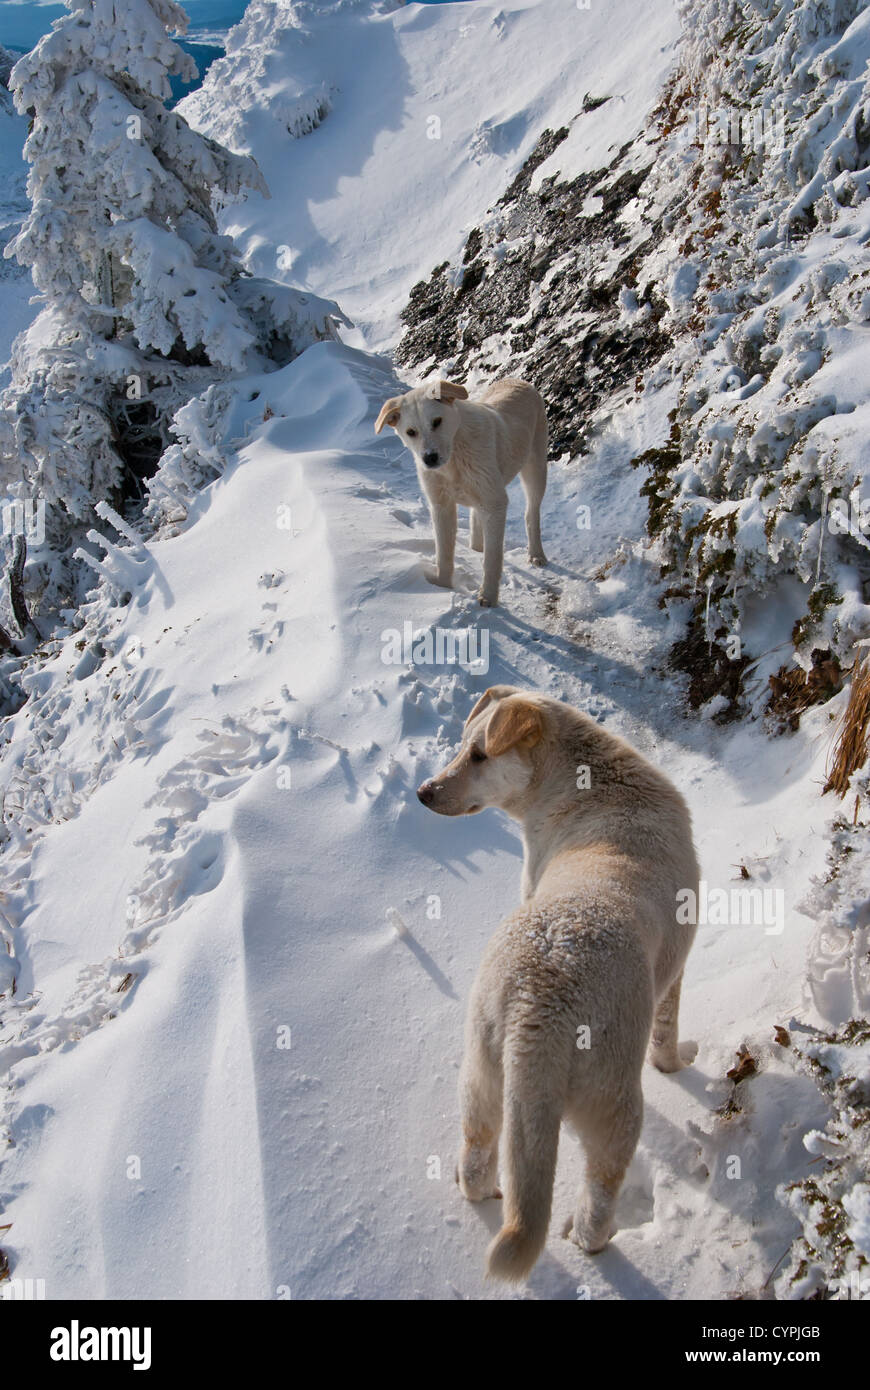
[[258, 907]]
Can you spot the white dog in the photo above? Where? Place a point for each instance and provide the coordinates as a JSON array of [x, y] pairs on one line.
[[466, 453], [575, 984]]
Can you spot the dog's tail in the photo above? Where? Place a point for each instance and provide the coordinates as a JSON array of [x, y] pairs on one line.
[[532, 1115]]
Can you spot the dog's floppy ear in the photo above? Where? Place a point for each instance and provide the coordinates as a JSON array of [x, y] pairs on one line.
[[448, 391], [390, 412], [495, 692], [515, 721]]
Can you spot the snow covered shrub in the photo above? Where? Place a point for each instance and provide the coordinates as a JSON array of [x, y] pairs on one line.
[[195, 459], [272, 49], [285, 320], [766, 131], [831, 1259], [260, 51]]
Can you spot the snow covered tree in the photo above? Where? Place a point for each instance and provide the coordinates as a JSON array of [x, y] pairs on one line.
[[123, 245], [122, 230]]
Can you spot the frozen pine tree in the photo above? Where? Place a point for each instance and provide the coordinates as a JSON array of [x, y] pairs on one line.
[[124, 249], [122, 233]]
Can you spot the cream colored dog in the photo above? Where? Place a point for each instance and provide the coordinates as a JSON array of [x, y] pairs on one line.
[[576, 983], [466, 453]]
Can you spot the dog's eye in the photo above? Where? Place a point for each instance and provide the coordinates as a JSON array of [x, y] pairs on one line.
[[412, 434], [436, 423], [478, 755]]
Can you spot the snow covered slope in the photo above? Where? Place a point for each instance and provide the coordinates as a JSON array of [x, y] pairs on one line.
[[410, 122]]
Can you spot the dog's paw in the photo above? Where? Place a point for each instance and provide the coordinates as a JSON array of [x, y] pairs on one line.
[[473, 1193], [538, 560], [440, 580], [476, 1180], [589, 1241], [673, 1059], [487, 600]]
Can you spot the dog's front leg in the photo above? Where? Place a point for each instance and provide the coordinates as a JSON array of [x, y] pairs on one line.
[[444, 522], [493, 553]]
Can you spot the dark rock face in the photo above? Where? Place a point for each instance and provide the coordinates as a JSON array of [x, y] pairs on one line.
[[529, 299]]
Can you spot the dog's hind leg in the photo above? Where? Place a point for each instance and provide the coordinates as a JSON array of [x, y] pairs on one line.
[[533, 476], [665, 1051], [476, 530], [610, 1140], [480, 1100]]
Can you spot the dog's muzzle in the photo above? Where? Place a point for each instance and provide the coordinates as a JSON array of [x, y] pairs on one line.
[[426, 793], [431, 459]]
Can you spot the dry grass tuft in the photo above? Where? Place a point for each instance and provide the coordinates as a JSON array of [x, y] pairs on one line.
[[793, 690], [850, 750]]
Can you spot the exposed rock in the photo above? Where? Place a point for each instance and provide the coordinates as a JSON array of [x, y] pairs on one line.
[[529, 298]]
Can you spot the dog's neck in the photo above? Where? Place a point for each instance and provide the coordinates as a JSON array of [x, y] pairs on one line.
[[548, 826], [542, 841], [461, 444], [554, 824]]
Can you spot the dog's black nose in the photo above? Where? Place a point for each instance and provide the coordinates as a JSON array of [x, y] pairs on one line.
[[430, 459], [426, 793]]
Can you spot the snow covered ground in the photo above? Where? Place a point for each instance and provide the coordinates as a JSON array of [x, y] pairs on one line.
[[242, 949]]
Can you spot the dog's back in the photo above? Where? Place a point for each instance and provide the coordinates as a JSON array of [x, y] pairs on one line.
[[522, 421]]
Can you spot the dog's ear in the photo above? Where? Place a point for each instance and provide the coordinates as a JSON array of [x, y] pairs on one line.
[[495, 692], [390, 412], [448, 391], [516, 722]]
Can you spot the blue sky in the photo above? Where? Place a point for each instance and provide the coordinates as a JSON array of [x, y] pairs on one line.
[[21, 24]]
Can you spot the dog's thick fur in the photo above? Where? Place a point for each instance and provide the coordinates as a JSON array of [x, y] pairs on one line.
[[466, 453], [596, 944]]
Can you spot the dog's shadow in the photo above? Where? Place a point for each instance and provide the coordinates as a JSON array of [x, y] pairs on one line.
[[553, 1281]]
